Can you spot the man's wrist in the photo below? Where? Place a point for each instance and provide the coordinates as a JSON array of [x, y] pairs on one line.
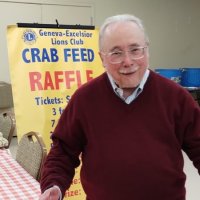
[[60, 193]]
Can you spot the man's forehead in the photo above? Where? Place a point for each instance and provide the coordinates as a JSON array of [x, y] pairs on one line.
[[130, 46], [122, 35]]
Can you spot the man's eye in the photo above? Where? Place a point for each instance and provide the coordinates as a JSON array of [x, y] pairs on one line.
[[134, 50], [116, 53]]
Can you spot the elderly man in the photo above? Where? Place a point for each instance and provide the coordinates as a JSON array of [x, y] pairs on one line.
[[130, 126]]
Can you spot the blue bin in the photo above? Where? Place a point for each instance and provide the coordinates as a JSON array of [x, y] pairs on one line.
[[190, 77], [172, 74]]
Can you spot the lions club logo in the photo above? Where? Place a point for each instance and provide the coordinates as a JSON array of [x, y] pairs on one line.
[[29, 36]]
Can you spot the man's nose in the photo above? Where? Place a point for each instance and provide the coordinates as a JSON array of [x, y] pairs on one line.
[[127, 60]]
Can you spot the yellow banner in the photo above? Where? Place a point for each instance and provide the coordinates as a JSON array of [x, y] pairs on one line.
[[46, 67]]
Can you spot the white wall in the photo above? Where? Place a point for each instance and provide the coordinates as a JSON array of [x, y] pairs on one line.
[[39, 12], [173, 27]]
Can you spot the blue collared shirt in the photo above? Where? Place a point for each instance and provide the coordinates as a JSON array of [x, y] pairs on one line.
[[119, 92]]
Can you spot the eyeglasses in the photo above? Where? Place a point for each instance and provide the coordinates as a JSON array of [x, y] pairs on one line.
[[117, 56]]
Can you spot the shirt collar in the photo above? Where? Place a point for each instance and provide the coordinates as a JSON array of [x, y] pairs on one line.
[[135, 93]]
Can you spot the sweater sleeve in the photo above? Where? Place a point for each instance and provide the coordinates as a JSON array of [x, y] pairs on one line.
[[190, 126], [63, 158]]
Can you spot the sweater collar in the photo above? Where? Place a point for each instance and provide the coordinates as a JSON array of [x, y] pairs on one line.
[[119, 92]]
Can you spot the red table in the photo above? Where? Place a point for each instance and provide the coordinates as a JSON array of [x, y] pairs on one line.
[[15, 182]]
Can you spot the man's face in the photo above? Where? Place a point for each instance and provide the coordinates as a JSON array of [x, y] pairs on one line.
[[124, 36]]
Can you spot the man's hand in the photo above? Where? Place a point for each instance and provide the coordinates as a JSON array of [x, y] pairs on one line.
[[52, 193]]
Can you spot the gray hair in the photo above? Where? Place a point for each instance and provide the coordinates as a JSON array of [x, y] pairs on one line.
[[120, 18]]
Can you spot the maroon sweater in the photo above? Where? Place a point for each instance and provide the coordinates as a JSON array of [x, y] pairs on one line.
[[128, 151]]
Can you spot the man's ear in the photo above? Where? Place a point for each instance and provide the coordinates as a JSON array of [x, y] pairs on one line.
[[101, 56], [102, 59]]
